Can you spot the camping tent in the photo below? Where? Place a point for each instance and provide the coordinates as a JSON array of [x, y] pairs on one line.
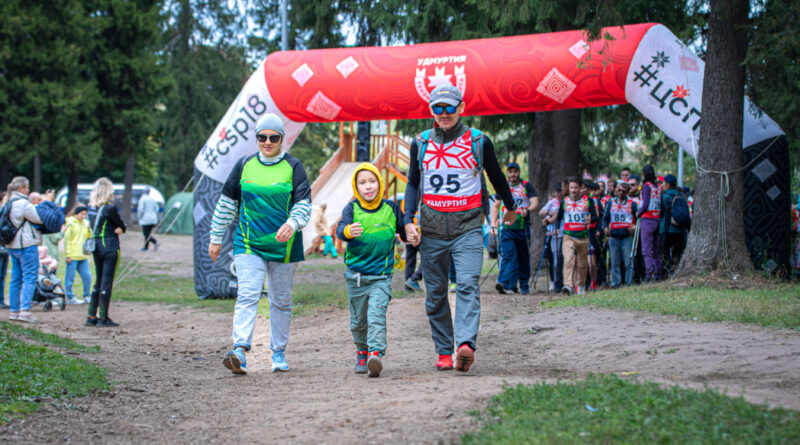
[[178, 214]]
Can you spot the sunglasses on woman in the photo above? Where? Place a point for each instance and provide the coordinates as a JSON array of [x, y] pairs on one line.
[[274, 138], [438, 109]]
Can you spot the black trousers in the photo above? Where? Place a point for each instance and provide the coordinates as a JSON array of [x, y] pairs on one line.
[[411, 263], [105, 267], [146, 229], [674, 244]]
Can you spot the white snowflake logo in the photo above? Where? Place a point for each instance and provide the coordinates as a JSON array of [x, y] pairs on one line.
[[439, 78]]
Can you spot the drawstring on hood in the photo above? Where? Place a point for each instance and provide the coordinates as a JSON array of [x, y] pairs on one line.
[[371, 205]]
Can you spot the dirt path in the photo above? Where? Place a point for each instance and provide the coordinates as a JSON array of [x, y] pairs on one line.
[[170, 386]]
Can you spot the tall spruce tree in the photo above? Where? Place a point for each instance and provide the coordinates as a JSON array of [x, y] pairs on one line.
[[129, 78], [50, 95]]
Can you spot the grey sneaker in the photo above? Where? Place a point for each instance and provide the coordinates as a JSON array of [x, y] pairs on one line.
[[27, 317], [13, 315], [374, 364]]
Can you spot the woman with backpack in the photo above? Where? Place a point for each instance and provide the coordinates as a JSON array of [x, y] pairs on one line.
[[107, 225], [21, 239], [674, 212]]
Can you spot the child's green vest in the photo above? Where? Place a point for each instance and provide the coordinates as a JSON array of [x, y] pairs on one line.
[[372, 253]]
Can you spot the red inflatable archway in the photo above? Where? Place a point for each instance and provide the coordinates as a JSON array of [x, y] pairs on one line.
[[644, 65]]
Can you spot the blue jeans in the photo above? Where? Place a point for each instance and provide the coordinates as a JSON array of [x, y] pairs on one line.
[[620, 251], [251, 271], [515, 262], [24, 267], [466, 252], [82, 266], [3, 270]]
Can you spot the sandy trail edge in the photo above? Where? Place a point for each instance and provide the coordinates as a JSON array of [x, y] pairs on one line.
[[171, 387]]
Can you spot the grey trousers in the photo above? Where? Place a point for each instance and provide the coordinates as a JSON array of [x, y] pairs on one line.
[[467, 254]]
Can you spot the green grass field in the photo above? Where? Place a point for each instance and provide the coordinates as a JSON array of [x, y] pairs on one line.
[[609, 409], [32, 373], [775, 305]]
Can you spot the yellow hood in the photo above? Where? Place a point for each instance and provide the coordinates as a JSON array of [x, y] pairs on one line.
[[379, 197]]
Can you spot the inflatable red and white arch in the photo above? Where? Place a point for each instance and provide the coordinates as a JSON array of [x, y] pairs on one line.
[[644, 65]]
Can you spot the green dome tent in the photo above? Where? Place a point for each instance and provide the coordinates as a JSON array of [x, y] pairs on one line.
[[178, 215]]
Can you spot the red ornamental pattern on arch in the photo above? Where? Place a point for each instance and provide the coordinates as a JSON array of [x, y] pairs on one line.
[[537, 72]]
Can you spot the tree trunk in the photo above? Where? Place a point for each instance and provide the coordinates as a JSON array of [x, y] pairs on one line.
[[127, 196], [711, 248], [72, 187], [4, 173], [553, 156], [37, 173]]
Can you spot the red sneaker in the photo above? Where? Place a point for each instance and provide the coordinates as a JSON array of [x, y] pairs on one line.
[[445, 362], [465, 356]]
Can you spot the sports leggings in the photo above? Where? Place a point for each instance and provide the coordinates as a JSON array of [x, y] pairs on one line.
[[105, 266]]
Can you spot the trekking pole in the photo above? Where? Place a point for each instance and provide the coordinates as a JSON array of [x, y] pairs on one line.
[[488, 273], [635, 240], [541, 258]]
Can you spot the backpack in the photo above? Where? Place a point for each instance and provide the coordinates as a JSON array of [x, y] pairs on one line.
[[477, 153], [52, 218], [8, 231], [680, 217]]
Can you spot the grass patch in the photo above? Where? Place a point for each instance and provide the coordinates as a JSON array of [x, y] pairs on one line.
[[310, 297], [608, 409], [45, 338], [776, 306], [167, 290], [306, 297], [30, 374]]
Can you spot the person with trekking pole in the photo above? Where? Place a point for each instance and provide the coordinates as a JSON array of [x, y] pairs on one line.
[[515, 265], [446, 170]]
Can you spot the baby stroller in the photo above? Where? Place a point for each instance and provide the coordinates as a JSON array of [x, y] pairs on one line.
[[49, 290]]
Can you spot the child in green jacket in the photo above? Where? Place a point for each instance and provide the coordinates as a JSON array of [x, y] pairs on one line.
[[368, 225]]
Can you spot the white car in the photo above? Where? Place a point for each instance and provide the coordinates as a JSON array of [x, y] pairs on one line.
[[119, 189]]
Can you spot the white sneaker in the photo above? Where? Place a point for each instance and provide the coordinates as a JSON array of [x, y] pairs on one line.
[[551, 288], [27, 317], [13, 315], [74, 300]]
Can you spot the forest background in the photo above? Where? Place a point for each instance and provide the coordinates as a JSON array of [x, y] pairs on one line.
[[132, 89]]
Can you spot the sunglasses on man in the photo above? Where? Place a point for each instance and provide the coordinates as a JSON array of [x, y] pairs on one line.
[[274, 138], [438, 109]]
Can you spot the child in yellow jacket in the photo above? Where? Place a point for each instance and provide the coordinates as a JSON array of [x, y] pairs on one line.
[[76, 233]]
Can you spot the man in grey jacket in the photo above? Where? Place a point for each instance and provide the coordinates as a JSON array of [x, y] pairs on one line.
[[147, 213], [446, 174], [22, 250]]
